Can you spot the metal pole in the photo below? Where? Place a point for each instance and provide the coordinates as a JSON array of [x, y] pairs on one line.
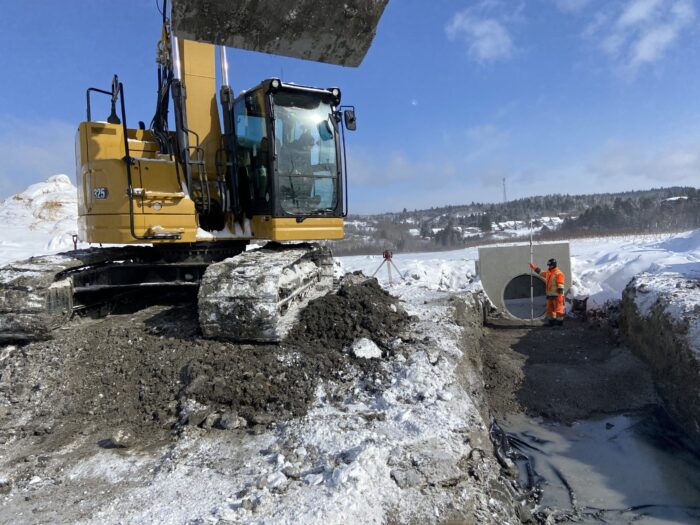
[[223, 63], [398, 271], [532, 293], [176, 58], [379, 268]]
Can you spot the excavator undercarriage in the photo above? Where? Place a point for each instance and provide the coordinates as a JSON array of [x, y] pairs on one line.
[[242, 295]]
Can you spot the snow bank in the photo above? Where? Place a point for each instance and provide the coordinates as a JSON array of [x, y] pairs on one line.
[[602, 267], [660, 321], [39, 220]]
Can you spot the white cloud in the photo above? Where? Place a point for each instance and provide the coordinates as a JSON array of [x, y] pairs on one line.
[[676, 164], [640, 33], [32, 151], [639, 11], [484, 30], [571, 6], [484, 142]]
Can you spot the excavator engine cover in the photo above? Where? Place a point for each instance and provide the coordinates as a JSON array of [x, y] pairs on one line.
[[318, 30]]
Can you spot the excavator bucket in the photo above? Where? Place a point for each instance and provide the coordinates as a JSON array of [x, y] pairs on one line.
[[319, 30]]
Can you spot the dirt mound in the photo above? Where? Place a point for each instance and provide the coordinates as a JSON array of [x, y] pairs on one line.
[[150, 372], [361, 308], [282, 379]]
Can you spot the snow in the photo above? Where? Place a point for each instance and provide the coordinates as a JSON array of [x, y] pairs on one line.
[[346, 455], [39, 220], [366, 349], [601, 266]]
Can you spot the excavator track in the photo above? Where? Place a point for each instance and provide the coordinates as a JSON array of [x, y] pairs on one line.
[[37, 294], [257, 296], [249, 296]]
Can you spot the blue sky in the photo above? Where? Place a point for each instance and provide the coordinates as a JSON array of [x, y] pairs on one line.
[[555, 96]]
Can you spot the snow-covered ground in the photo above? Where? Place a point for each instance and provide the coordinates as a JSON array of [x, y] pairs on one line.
[[601, 267], [42, 220], [423, 410]]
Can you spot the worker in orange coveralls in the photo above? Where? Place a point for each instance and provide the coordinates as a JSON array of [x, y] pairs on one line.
[[554, 278]]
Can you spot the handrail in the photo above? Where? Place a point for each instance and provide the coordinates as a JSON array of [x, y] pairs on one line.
[[130, 189], [345, 161], [87, 96]]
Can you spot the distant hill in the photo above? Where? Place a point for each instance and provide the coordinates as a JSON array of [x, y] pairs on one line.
[[551, 216]]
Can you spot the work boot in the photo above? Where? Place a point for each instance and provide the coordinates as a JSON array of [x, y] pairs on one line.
[[552, 322], [560, 322]]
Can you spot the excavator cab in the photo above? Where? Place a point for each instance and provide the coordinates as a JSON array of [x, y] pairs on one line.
[[289, 151]]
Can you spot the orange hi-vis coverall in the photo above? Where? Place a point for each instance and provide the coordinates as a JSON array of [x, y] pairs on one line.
[[555, 292]]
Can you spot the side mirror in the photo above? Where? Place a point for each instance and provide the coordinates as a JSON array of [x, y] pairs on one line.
[[350, 120]]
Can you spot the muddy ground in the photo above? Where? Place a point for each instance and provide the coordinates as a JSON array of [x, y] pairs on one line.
[[136, 418], [141, 377], [562, 374]]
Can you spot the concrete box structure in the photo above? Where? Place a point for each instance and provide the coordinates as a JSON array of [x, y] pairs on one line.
[[505, 277]]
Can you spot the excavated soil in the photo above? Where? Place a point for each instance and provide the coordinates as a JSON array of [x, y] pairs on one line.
[[140, 377], [562, 374]]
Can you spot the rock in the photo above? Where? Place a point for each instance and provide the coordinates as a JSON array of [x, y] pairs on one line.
[[230, 420], [313, 479], [5, 485], [262, 418], [193, 412], [339, 475], [274, 448], [258, 429], [277, 481], [210, 420], [444, 395], [406, 478], [366, 349], [44, 428], [120, 439], [292, 472]]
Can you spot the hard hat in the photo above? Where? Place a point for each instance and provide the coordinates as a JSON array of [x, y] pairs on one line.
[[552, 262]]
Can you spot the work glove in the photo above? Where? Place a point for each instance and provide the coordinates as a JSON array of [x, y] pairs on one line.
[[533, 266]]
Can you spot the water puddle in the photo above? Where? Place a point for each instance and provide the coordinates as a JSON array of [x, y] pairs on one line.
[[630, 468]]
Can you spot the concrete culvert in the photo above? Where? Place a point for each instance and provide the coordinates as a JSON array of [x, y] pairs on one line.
[[517, 297]]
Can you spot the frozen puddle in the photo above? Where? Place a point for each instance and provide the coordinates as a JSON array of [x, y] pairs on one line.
[[619, 469]]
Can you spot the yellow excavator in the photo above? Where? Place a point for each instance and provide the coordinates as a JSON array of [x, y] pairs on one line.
[[266, 165]]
